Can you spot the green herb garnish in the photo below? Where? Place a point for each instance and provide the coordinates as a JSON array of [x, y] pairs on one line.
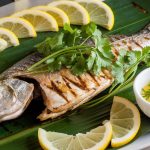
[[71, 49], [85, 50], [82, 50], [128, 80], [146, 92]]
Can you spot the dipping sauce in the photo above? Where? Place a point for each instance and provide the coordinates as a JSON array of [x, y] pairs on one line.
[[146, 92]]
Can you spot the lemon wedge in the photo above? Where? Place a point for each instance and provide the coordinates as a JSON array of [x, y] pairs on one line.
[[77, 14], [100, 13], [98, 138], [60, 16], [41, 21], [125, 121], [3, 44], [20, 27], [9, 37]]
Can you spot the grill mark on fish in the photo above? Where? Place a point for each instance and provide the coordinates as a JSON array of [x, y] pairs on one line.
[[146, 38], [129, 47], [107, 74], [75, 83], [55, 104], [77, 90], [140, 40], [86, 81], [138, 44], [114, 38], [68, 90], [93, 77], [82, 83], [67, 83], [58, 91]]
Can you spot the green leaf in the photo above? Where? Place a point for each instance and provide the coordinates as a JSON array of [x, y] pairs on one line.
[[118, 73], [68, 28], [97, 65], [88, 30], [51, 44], [91, 60], [106, 48], [72, 36], [146, 52], [79, 67]]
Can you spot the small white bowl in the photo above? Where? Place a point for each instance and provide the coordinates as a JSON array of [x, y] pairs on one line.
[[140, 81]]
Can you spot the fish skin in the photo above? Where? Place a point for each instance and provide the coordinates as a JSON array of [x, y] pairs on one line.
[[20, 67], [62, 91], [15, 96]]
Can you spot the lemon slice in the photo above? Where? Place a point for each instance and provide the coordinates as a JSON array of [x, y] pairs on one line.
[[9, 37], [53, 140], [100, 13], [125, 121], [3, 44], [41, 21], [77, 14], [20, 27], [98, 138], [57, 13]]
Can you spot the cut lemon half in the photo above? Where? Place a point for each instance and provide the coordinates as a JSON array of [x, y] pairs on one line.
[[77, 14], [98, 138], [100, 13], [41, 21], [20, 27], [9, 37], [60, 16], [125, 121], [3, 44]]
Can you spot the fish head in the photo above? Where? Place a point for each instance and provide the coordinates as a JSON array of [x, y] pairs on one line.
[[15, 96]]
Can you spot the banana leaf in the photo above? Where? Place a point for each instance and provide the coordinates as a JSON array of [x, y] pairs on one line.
[[21, 133]]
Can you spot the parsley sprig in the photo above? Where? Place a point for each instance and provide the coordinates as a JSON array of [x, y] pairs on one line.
[[70, 48], [82, 50], [85, 50]]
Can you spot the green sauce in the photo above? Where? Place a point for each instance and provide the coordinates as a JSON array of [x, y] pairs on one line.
[[146, 92]]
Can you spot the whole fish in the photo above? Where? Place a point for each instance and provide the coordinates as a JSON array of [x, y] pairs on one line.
[[61, 90]]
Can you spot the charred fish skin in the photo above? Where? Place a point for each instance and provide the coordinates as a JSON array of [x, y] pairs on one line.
[[134, 42], [20, 67], [15, 96], [63, 91]]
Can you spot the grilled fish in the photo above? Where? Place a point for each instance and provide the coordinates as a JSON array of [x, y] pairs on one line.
[[61, 90]]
